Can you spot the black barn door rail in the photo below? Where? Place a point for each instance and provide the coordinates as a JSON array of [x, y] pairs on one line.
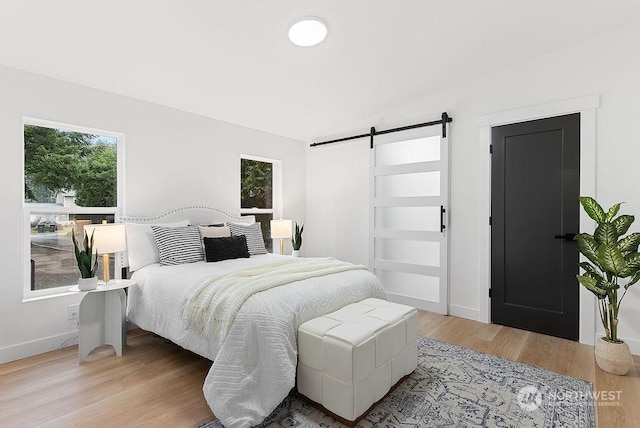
[[445, 118]]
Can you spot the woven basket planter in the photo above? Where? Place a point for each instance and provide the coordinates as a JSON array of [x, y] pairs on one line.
[[612, 357]]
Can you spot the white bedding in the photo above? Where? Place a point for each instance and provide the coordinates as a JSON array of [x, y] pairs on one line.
[[254, 367]]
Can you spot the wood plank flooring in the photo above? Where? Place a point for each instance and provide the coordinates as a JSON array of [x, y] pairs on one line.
[[159, 384]]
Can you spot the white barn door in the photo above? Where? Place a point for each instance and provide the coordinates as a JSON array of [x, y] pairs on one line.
[[409, 210]]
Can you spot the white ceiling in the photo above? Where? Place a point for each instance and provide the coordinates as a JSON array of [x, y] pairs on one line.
[[231, 60]]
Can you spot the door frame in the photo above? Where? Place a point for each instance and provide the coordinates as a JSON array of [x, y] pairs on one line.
[[587, 107]]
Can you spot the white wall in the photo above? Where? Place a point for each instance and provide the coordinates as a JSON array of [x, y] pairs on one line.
[[172, 159], [602, 65], [338, 202]]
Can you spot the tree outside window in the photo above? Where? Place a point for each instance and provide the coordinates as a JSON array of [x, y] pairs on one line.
[[256, 179], [257, 194], [70, 180], [58, 161]]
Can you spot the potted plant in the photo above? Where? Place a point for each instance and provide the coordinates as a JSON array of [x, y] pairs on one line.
[[87, 262], [296, 240], [613, 267]]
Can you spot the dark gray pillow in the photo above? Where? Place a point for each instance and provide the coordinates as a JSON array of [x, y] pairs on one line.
[[228, 247]]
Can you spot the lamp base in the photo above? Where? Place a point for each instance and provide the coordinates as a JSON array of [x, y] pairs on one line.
[[105, 268]]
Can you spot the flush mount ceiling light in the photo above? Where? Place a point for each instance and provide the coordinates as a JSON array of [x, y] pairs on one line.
[[308, 31]]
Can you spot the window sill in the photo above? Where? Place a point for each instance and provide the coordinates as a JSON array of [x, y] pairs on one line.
[[48, 296]]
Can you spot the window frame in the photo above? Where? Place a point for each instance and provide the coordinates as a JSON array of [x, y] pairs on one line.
[[30, 209], [276, 211]]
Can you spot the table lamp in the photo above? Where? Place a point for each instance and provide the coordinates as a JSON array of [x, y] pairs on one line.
[[281, 229], [107, 238]]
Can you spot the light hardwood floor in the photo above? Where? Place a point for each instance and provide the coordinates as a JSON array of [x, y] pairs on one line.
[[159, 384]]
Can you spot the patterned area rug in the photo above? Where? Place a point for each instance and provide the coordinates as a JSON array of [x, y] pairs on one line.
[[459, 387]]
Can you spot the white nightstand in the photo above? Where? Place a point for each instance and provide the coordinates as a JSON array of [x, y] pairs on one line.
[[102, 318]]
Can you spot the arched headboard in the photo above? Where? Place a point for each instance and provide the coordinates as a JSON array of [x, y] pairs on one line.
[[194, 214]]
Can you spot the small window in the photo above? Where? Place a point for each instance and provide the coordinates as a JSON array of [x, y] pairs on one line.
[[260, 195], [70, 180], [256, 179]]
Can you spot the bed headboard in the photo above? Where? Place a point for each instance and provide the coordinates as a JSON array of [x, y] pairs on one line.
[[194, 214]]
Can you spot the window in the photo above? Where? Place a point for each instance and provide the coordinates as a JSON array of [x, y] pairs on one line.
[[260, 192], [71, 178]]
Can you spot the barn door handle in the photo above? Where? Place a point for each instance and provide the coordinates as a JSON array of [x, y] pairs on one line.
[[566, 237], [442, 211]]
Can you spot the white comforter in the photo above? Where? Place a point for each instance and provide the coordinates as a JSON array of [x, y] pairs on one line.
[[254, 367]]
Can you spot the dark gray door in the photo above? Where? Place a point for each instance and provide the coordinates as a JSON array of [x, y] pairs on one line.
[[535, 184]]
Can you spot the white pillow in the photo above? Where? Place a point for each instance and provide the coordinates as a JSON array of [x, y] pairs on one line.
[[214, 231], [141, 245]]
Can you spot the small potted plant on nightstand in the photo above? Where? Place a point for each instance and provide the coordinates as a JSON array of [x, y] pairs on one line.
[[613, 267], [87, 262], [296, 240]]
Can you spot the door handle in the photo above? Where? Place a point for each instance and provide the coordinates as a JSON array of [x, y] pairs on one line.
[[442, 211], [566, 237]]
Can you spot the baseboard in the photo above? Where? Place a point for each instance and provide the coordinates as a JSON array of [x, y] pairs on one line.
[[423, 305], [634, 345], [426, 305], [464, 312], [39, 346]]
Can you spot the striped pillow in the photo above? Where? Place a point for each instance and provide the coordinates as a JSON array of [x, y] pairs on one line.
[[178, 245], [141, 245], [253, 232]]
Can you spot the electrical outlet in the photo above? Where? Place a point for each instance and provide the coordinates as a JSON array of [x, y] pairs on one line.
[[73, 312]]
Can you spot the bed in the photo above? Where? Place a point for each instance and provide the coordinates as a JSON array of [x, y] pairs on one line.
[[254, 361]]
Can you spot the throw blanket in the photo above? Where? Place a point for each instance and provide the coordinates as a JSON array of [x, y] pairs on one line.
[[212, 309], [255, 368]]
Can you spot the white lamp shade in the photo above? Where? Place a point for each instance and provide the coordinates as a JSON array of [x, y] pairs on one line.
[[281, 229], [107, 238]]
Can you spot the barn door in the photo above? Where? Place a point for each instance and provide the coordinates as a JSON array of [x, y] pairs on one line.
[[408, 224]]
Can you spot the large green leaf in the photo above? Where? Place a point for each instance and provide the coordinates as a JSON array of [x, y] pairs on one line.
[[622, 223], [629, 243], [588, 267], [635, 278], [606, 234], [632, 265], [593, 209], [588, 247], [591, 285], [87, 263], [591, 271], [608, 286], [84, 264], [613, 211], [611, 258], [633, 260]]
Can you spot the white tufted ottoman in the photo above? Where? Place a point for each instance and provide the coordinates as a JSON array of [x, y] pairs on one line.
[[351, 358]]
